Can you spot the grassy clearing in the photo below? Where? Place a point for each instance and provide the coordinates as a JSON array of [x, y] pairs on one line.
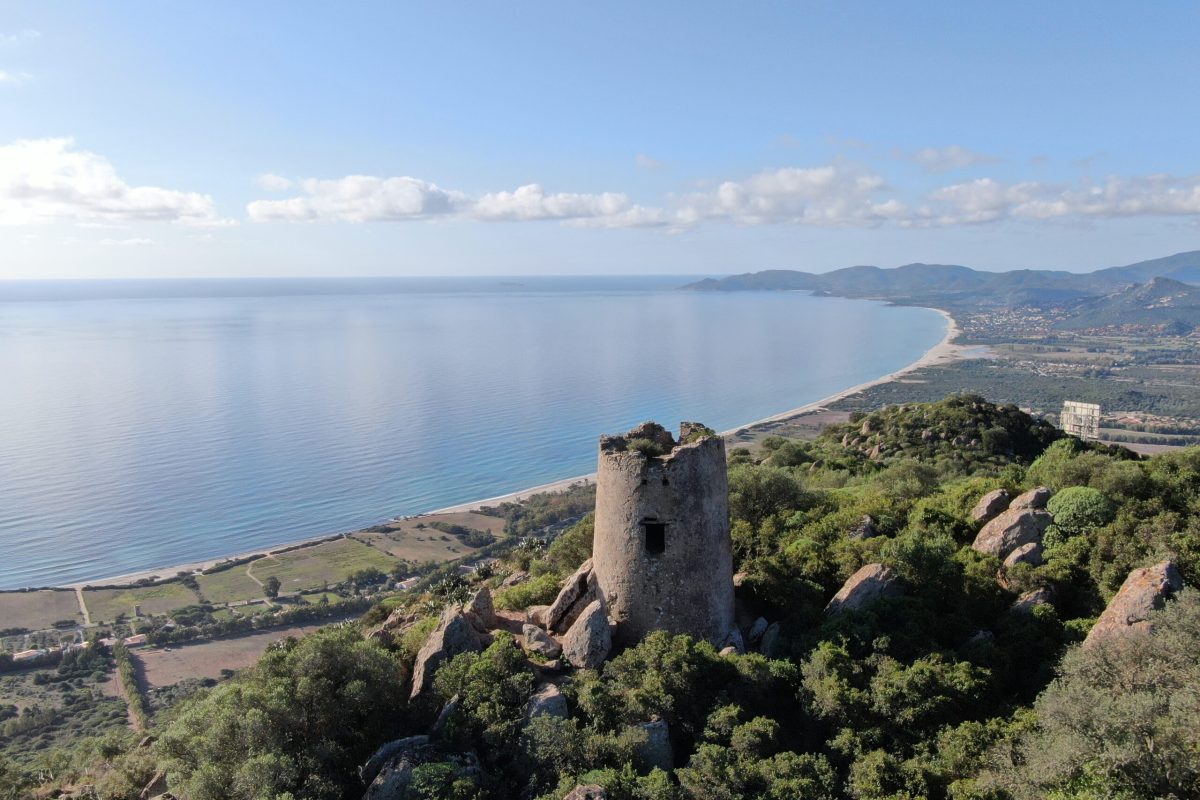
[[105, 605], [37, 610], [417, 546], [229, 586], [163, 667], [251, 609], [315, 597], [413, 540], [330, 562]]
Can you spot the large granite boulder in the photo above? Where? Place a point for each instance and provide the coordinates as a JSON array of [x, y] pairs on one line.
[[769, 645], [1034, 498], [410, 745], [1010, 530], [537, 615], [577, 592], [548, 701], [1029, 553], [1027, 602], [389, 773], [990, 505], [871, 583], [480, 612], [755, 634], [454, 634], [1145, 590], [656, 750], [863, 529], [589, 792], [588, 641], [537, 641]]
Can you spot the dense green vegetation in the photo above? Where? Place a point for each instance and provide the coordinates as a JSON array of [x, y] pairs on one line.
[[942, 691]]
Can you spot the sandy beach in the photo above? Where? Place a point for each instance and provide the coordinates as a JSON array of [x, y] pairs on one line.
[[943, 352]]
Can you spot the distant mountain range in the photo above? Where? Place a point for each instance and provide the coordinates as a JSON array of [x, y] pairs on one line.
[[1160, 292]]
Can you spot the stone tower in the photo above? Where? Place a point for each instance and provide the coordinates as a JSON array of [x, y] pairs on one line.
[[662, 553]]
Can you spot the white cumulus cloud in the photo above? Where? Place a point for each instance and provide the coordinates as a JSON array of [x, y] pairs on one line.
[[273, 183], [531, 202], [360, 198], [988, 200], [834, 195], [47, 180]]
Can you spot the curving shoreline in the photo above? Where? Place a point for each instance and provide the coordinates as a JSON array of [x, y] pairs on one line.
[[943, 352]]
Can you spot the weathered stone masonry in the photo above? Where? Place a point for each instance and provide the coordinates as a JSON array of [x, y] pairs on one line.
[[662, 553]]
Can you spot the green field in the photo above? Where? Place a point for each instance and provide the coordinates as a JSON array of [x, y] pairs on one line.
[[311, 567], [250, 609], [229, 586], [37, 610], [105, 605]]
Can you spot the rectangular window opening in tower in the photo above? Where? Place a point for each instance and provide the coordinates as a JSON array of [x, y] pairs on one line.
[[656, 536]]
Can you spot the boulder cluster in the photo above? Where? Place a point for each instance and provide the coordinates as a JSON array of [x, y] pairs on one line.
[[574, 629], [1012, 530]]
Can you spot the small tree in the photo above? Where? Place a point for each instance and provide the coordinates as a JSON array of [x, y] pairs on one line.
[[271, 587]]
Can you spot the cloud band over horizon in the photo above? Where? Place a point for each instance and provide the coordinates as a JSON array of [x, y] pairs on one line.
[[49, 180]]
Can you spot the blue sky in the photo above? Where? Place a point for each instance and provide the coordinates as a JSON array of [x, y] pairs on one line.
[[270, 138]]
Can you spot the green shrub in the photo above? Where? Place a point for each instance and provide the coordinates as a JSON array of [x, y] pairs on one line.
[[537, 591]]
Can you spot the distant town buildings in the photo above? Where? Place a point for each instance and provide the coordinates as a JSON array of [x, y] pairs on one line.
[[1081, 419]]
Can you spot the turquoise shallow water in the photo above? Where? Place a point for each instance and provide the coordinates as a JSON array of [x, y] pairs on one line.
[[149, 424]]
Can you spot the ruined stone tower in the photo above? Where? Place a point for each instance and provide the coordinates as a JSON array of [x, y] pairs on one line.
[[662, 553]]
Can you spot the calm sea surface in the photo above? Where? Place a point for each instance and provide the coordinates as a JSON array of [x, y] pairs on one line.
[[146, 424]]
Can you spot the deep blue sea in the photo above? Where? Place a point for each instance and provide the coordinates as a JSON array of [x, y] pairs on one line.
[[150, 423]]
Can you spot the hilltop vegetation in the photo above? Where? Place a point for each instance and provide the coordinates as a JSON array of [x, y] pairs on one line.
[[944, 688]]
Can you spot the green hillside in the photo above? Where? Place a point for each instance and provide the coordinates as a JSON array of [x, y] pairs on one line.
[[1161, 302], [966, 680]]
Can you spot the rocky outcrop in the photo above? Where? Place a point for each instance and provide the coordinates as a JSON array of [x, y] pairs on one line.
[[755, 634], [577, 592], [990, 505], [1027, 602], [656, 750], [443, 717], [413, 744], [537, 615], [536, 641], [870, 584], [770, 641], [518, 577], [389, 773], [863, 529], [588, 641], [1143, 591], [589, 792], [1029, 553], [1034, 498], [548, 701], [1012, 529], [454, 634], [479, 610]]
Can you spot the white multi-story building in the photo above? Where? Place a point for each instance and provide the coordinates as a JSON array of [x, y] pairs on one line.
[[1081, 419]]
